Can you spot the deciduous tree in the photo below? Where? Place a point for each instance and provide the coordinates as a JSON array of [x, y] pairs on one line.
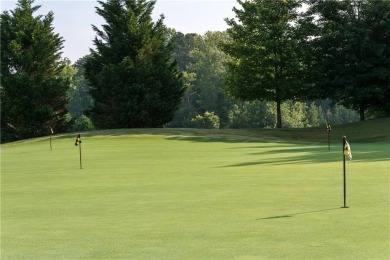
[[351, 58], [80, 100], [265, 50]]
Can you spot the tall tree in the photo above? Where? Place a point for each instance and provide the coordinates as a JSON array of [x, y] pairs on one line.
[[134, 81], [265, 52], [210, 74], [184, 45], [202, 62], [33, 86], [351, 57], [80, 100]]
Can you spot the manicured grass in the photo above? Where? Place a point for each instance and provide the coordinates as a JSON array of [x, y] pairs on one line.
[[193, 194]]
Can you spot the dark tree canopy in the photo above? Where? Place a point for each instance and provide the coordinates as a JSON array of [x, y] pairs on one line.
[[184, 44], [351, 53], [134, 80], [33, 87], [265, 50]]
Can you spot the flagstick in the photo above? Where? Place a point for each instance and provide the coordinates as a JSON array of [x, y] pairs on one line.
[[51, 134], [345, 181], [81, 165], [328, 129]]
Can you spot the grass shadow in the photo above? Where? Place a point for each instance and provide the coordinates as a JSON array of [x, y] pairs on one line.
[[311, 154], [295, 214]]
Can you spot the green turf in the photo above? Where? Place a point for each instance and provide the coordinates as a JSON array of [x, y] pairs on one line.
[[196, 194]]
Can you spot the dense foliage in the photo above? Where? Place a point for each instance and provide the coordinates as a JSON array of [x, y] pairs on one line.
[[134, 80], [350, 57], [202, 60], [80, 99], [202, 63], [265, 50], [33, 82], [276, 63]]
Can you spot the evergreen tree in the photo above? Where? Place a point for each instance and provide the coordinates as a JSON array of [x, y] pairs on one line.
[[134, 81], [265, 49], [33, 85]]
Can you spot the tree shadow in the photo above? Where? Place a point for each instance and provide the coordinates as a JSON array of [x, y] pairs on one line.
[[295, 214], [208, 139], [309, 154], [282, 153], [290, 155]]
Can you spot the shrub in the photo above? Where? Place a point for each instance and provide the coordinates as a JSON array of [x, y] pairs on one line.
[[209, 120], [82, 123]]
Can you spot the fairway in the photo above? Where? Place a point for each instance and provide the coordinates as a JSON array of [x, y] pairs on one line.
[[162, 194]]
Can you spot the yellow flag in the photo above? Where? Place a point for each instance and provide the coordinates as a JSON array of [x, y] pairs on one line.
[[78, 140], [347, 150], [328, 127]]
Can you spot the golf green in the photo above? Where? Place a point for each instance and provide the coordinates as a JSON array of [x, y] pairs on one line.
[[180, 195]]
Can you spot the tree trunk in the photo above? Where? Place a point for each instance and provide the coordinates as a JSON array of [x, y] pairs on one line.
[[361, 112], [278, 114]]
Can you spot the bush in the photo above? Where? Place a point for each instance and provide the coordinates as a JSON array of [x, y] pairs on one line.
[[209, 120], [252, 114], [82, 123]]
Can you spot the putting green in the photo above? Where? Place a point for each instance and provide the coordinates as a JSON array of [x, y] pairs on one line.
[[180, 195]]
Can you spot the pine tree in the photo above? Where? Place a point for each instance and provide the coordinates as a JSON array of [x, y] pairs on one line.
[[33, 87], [134, 80]]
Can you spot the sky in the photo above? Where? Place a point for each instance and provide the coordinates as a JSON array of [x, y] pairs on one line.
[[73, 19]]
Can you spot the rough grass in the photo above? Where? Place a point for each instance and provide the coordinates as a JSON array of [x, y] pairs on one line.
[[197, 194]]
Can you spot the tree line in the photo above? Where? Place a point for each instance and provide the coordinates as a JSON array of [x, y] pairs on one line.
[[276, 65]]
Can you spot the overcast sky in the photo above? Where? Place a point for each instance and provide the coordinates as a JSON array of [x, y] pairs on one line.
[[73, 19]]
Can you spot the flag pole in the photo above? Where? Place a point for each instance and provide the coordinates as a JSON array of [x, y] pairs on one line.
[[81, 164], [78, 143], [328, 141], [328, 129], [51, 133], [344, 172]]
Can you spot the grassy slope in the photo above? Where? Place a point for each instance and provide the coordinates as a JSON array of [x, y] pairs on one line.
[[376, 130], [197, 194]]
